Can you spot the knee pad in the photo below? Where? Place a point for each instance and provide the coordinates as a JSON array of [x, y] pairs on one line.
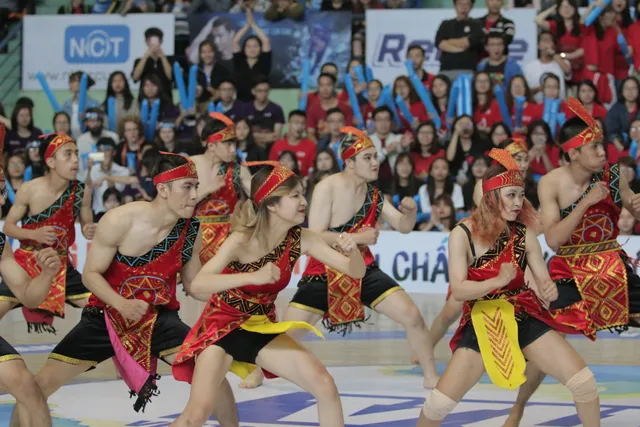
[[583, 386], [437, 406]]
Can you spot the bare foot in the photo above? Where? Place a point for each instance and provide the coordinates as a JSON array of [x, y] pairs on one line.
[[254, 380], [430, 382], [515, 415]]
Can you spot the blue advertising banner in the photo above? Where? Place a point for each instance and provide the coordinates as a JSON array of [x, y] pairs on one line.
[[321, 37]]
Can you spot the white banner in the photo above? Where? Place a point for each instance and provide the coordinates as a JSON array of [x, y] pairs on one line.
[[58, 45], [418, 261], [391, 32]]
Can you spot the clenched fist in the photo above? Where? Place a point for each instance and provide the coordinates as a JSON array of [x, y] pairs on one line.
[[48, 260], [89, 230], [408, 205], [269, 273], [507, 273], [133, 309], [345, 243]]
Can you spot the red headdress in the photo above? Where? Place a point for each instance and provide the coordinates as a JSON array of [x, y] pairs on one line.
[[277, 176], [3, 132], [58, 141], [517, 146], [225, 134], [187, 170], [511, 177], [590, 134], [362, 142]]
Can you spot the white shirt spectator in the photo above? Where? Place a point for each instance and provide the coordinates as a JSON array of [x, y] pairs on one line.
[[534, 71], [384, 153], [98, 174], [86, 141], [425, 203]]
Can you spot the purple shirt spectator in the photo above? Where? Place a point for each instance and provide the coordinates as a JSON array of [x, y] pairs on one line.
[[14, 142], [237, 110], [272, 112]]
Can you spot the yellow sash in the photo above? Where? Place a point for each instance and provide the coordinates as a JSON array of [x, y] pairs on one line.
[[262, 325], [497, 331]]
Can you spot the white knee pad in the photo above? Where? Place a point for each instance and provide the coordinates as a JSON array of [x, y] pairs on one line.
[[437, 406], [583, 386]]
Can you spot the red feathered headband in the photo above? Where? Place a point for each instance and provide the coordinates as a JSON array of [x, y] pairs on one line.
[[590, 134], [187, 170], [225, 134], [362, 142], [511, 177]]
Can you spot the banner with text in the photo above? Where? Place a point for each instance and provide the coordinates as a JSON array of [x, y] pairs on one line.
[[391, 32], [418, 261], [58, 45]]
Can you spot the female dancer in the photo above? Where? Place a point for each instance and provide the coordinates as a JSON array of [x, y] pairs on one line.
[[237, 328], [487, 257], [452, 309]]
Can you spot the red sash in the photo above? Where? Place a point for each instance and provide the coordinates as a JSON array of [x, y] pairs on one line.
[[61, 215], [215, 211], [510, 247], [344, 293], [227, 310]]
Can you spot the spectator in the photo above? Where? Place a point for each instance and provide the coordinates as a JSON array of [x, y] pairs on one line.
[[131, 133], [425, 148], [22, 129], [100, 173], [253, 60], [303, 149], [210, 72], [388, 145], [34, 162], [495, 23], [544, 154], [154, 61], [111, 199], [231, 107], [403, 87], [259, 6], [500, 67], [317, 111], [628, 169], [417, 55], [326, 161], [530, 112], [548, 62], [439, 183], [620, 147], [70, 106], [460, 41], [335, 121], [626, 223], [94, 124], [440, 88], [263, 109], [465, 143], [135, 6], [165, 139], [118, 89], [248, 149], [151, 90], [288, 159], [600, 44], [15, 167], [588, 96], [74, 7], [443, 215], [498, 133], [284, 9], [623, 112], [568, 32], [479, 166], [62, 122], [208, 6], [486, 111], [374, 90], [329, 68], [404, 183]]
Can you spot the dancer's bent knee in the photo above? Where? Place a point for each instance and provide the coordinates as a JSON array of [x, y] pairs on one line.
[[583, 386], [438, 406]]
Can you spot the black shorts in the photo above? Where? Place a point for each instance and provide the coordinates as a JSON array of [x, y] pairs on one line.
[[312, 290], [568, 294], [7, 352], [88, 343], [529, 330], [74, 291], [244, 346]]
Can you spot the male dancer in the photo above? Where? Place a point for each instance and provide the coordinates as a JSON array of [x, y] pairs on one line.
[[580, 205], [15, 378], [131, 268], [223, 182], [48, 207], [346, 202]]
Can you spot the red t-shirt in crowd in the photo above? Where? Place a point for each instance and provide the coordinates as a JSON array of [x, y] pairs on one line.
[[601, 53], [487, 117], [418, 111], [316, 116], [569, 43], [536, 166], [530, 113], [305, 152], [422, 164]]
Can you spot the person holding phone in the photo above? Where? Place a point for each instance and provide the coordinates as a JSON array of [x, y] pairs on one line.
[[101, 170], [154, 61]]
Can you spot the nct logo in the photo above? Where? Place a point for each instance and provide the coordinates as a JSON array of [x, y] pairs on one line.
[[91, 44]]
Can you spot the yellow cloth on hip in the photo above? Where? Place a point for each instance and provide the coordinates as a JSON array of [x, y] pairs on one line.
[[496, 328], [262, 325]]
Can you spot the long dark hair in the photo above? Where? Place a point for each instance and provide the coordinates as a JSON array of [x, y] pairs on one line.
[[431, 185], [126, 91], [414, 183], [575, 20]]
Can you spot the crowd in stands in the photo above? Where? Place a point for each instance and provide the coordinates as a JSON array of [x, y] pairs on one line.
[[437, 165]]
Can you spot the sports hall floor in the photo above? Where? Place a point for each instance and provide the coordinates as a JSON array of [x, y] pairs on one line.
[[371, 367]]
